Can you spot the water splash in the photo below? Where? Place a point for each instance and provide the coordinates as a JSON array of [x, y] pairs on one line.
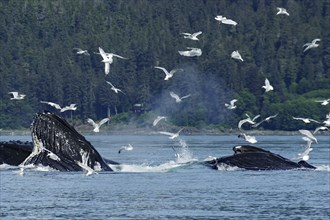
[[184, 155]]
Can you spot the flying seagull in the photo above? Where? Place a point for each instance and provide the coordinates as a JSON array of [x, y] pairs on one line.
[[97, 125], [224, 20], [192, 52], [232, 104], [305, 155], [236, 55], [282, 11], [108, 59], [267, 86], [323, 102], [247, 120], [248, 138], [80, 51], [158, 119], [327, 121], [129, 147], [16, 96], [116, 90], [308, 134], [177, 98], [168, 75], [306, 120], [71, 107], [266, 119], [192, 36], [322, 128], [311, 45], [172, 135]]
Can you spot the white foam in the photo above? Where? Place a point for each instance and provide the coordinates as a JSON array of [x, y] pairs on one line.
[[323, 168], [135, 168], [225, 167]]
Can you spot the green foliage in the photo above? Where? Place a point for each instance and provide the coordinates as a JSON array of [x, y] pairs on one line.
[[37, 58]]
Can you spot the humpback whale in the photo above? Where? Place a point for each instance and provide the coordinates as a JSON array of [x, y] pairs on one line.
[[254, 158], [55, 143]]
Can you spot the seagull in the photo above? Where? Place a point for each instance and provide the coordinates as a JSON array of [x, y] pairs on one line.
[[323, 102], [97, 125], [80, 51], [267, 86], [192, 36], [266, 119], [308, 134], [116, 90], [158, 119], [127, 148], [282, 11], [236, 55], [224, 20], [16, 96], [172, 135], [322, 128], [108, 59], [313, 44], [57, 106], [177, 98], [306, 120], [71, 107], [304, 155], [248, 138], [168, 75], [248, 120], [327, 121], [232, 104], [191, 52]]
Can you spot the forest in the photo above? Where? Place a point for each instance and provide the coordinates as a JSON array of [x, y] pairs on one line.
[[38, 59]]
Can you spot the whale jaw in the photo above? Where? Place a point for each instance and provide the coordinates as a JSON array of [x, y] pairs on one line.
[[58, 145]]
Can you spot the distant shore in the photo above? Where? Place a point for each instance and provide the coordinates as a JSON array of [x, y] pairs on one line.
[[150, 131]]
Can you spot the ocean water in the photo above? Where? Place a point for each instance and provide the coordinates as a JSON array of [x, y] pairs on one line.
[[153, 183]]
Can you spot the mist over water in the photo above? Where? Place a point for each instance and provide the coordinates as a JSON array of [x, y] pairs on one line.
[[206, 105]]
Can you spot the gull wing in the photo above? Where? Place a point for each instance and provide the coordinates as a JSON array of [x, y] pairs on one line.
[[91, 121], [186, 96], [187, 34], [232, 102], [162, 68], [57, 106], [104, 120], [166, 133], [173, 95], [110, 84], [103, 54], [115, 55], [196, 34], [229, 21], [78, 49]]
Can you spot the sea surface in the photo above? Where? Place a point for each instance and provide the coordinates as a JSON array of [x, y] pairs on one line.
[[158, 180]]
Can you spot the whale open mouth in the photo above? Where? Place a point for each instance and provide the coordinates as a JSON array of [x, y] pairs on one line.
[[58, 145]]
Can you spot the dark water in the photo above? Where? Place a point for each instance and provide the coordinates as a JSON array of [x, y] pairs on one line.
[[152, 185]]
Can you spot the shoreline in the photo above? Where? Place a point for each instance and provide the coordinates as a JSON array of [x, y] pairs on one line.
[[148, 131]]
